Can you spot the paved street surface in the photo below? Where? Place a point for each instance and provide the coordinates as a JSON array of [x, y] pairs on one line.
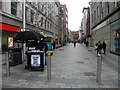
[[72, 67]]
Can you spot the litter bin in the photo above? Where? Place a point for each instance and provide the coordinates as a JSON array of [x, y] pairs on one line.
[[15, 56], [35, 60]]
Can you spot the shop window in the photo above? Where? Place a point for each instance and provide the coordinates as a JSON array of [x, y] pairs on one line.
[[14, 8], [117, 41]]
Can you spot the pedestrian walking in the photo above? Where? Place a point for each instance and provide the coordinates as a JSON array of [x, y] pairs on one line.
[[87, 43], [98, 47], [74, 43], [104, 47]]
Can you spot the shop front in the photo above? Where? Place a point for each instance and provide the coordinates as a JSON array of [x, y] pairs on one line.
[[8, 31], [115, 37]]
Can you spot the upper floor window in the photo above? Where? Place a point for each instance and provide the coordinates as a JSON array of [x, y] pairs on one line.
[[0, 5], [14, 8], [26, 13], [32, 16], [108, 7], [97, 12], [94, 16], [41, 21]]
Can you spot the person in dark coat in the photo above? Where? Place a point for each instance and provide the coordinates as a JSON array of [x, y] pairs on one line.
[[104, 47], [74, 43], [87, 43], [98, 47]]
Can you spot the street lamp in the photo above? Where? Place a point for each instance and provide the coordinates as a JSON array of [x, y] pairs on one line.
[[24, 26], [62, 31]]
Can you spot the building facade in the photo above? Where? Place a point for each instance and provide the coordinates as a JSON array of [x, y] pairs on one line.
[[84, 29], [75, 35], [64, 24], [105, 24], [39, 16]]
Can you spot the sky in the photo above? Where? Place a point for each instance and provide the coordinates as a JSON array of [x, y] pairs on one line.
[[75, 15]]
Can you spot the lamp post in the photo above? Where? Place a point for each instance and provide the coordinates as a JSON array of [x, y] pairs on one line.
[[24, 15], [62, 30], [24, 26], [54, 30]]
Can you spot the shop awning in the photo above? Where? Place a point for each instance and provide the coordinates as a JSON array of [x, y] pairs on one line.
[[10, 28]]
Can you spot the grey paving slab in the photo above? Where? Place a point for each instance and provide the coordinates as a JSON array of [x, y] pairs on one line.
[[67, 72], [57, 80], [112, 89], [59, 89], [69, 81], [88, 88], [45, 89], [100, 88]]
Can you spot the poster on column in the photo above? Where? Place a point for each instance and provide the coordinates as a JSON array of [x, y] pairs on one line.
[[35, 60], [10, 42]]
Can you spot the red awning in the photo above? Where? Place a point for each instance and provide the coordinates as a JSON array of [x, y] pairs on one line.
[[10, 28]]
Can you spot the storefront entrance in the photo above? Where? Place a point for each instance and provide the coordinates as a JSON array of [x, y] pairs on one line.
[[115, 38]]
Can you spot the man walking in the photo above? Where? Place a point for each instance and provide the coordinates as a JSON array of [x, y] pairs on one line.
[[104, 47], [74, 43]]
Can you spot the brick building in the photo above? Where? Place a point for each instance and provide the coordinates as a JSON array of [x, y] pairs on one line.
[[75, 35]]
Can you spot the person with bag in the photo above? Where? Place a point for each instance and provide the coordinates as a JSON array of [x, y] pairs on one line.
[[98, 47], [104, 47]]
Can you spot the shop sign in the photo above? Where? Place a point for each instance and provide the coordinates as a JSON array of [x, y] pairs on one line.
[[10, 28], [10, 42]]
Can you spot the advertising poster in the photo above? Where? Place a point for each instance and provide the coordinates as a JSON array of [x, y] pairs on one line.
[[10, 42], [35, 60]]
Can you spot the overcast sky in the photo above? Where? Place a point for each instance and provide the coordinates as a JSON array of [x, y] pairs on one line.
[[75, 14]]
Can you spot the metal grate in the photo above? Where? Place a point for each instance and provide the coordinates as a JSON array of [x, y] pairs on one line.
[[86, 58], [90, 50], [89, 74], [61, 49], [80, 62]]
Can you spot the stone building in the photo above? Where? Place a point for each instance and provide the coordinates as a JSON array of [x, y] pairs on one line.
[[63, 22], [105, 22], [75, 35], [39, 16]]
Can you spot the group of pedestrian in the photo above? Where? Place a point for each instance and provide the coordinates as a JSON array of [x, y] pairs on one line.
[[99, 47]]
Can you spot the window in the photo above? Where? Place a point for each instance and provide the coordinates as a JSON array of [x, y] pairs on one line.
[[45, 24], [94, 17], [0, 5], [32, 16], [108, 7], [26, 13], [41, 21], [14, 8]]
